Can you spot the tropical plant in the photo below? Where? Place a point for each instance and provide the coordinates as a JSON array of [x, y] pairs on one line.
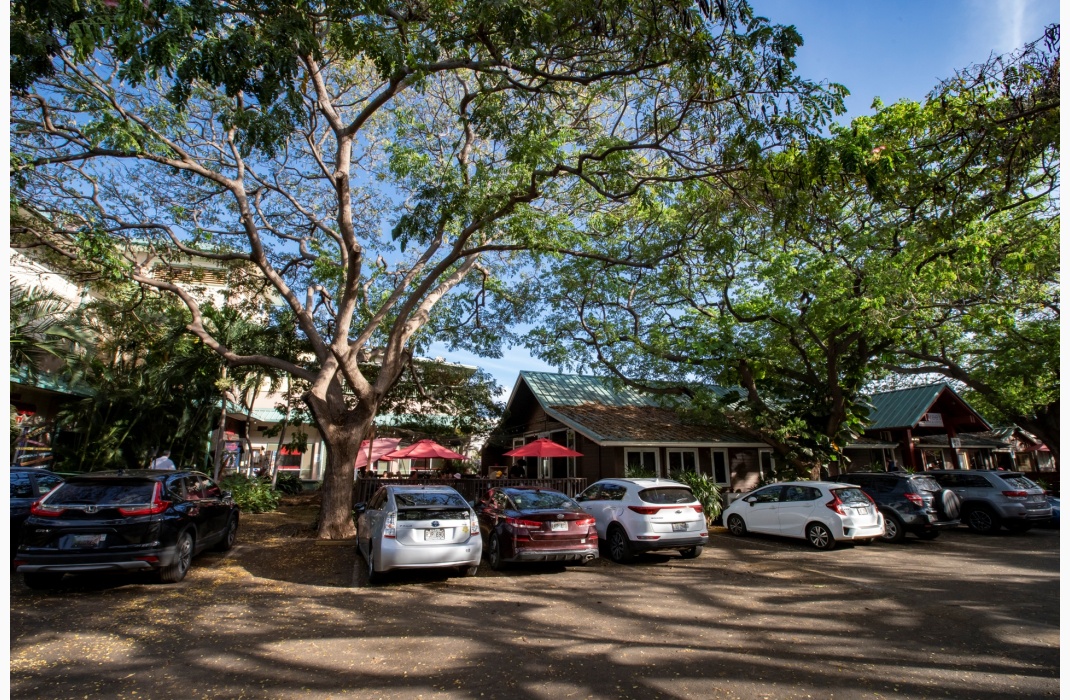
[[252, 495], [44, 331], [706, 491]]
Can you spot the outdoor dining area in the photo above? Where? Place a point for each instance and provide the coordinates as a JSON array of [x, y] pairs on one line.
[[383, 460]]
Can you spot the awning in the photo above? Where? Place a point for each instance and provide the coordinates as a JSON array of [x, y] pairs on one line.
[[380, 447]]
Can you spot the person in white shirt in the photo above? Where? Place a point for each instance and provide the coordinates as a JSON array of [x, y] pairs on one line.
[[163, 461]]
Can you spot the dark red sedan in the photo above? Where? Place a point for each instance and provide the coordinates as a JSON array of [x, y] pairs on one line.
[[534, 525]]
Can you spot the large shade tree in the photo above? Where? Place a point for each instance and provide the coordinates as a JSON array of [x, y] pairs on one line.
[[382, 164], [924, 232]]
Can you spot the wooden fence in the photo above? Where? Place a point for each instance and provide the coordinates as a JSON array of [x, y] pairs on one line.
[[471, 489]]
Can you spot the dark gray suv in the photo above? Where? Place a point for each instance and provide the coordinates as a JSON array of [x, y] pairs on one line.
[[991, 499], [911, 503]]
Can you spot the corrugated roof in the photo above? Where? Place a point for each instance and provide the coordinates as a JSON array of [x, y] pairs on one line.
[[575, 390], [641, 424], [903, 408]]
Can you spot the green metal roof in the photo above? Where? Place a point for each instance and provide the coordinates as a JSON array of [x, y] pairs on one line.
[[903, 408], [48, 382], [575, 390]]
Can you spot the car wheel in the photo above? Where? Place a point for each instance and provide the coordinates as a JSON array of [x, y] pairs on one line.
[[928, 534], [893, 529], [373, 575], [42, 581], [176, 571], [620, 550], [230, 536], [494, 553], [736, 525], [691, 552], [819, 536], [983, 520]]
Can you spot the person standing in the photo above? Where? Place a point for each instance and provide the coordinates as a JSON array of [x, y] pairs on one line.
[[163, 461]]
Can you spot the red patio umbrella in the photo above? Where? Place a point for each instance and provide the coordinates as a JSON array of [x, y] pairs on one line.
[[424, 449], [380, 446], [543, 447]]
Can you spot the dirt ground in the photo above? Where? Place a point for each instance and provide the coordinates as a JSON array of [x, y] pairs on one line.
[[280, 616]]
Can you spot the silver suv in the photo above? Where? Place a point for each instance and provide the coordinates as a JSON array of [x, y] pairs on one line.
[[994, 498]]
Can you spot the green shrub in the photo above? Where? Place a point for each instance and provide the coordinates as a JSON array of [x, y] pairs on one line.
[[706, 491], [631, 472], [252, 495], [289, 483]]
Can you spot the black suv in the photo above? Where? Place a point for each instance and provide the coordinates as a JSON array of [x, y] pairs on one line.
[[27, 485], [910, 503], [125, 521]]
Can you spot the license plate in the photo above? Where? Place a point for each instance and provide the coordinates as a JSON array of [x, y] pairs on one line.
[[86, 540], [437, 533], [558, 526], [862, 511], [679, 527]]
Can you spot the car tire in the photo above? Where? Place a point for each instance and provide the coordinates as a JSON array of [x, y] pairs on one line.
[[469, 571], [230, 535], [983, 520], [820, 537], [894, 530], [928, 534], [42, 580], [736, 525], [620, 549], [948, 505], [176, 570], [691, 552], [373, 575], [494, 553]]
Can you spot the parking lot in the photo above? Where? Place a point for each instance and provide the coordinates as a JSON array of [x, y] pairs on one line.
[[963, 616]]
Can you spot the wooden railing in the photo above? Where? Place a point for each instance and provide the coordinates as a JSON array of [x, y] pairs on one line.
[[471, 489]]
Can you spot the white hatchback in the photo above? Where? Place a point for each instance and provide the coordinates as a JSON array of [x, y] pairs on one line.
[[821, 512], [643, 515]]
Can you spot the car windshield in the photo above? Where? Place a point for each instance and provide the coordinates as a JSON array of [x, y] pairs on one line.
[[852, 496], [667, 495], [927, 483], [116, 493], [1019, 482], [541, 500], [429, 499]]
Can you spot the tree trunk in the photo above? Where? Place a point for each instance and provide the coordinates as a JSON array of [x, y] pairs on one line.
[[343, 445]]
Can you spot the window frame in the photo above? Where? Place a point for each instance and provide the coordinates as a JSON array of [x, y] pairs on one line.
[[669, 452], [714, 451], [644, 450]]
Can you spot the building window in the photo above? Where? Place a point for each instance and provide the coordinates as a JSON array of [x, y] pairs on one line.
[[682, 461], [644, 460], [720, 467]]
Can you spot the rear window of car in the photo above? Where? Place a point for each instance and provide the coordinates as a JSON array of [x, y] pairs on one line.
[[1019, 482], [852, 496], [667, 495], [423, 499], [539, 500], [926, 483], [117, 493]]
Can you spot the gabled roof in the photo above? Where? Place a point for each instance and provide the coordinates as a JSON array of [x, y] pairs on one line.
[[594, 407], [904, 408]]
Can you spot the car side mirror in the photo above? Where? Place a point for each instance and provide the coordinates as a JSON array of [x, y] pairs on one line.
[[750, 499], [228, 494], [360, 507]]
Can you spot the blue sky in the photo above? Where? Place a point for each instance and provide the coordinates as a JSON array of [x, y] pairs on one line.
[[892, 50]]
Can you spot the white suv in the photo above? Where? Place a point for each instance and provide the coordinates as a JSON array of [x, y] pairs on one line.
[[643, 515]]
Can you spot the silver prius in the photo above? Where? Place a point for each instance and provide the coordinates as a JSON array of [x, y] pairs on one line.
[[418, 527]]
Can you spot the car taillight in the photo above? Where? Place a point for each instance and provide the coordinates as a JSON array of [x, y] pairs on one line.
[[698, 509], [474, 528], [157, 506], [390, 528], [519, 522], [834, 504], [644, 510], [582, 522], [42, 508], [1017, 495], [915, 498]]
